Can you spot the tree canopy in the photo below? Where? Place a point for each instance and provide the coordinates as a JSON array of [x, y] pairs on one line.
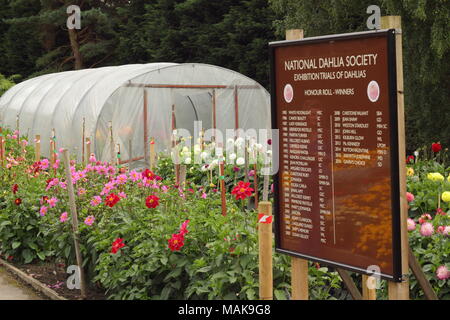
[[234, 34], [426, 43]]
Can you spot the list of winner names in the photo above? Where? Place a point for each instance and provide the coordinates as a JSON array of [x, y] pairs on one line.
[[314, 144]]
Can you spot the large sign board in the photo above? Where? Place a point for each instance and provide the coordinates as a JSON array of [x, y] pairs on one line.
[[334, 101]]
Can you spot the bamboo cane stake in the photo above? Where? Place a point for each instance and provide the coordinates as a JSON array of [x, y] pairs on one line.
[[52, 148], [255, 184], [266, 178], [74, 214], [145, 116], [3, 150], [182, 176], [222, 188], [265, 253], [1, 145], [246, 157], [88, 148], [130, 153], [152, 154], [83, 155], [112, 146], [38, 147], [17, 126]]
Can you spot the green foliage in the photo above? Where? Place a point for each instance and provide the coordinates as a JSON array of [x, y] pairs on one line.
[[431, 251], [6, 83], [22, 236], [219, 259]]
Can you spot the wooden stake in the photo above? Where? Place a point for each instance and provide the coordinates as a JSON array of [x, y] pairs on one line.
[[52, 148], [246, 159], [222, 188], [349, 284], [236, 108], [400, 290], [299, 267], [18, 131], [74, 214], [130, 153], [152, 154], [420, 276], [255, 184], [1, 145], [294, 34], [83, 155], [265, 253], [112, 146], [266, 178], [369, 293], [88, 148], [3, 149], [38, 148], [182, 176], [214, 114], [145, 116]]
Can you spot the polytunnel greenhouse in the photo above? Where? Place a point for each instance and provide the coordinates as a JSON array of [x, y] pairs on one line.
[[130, 105]]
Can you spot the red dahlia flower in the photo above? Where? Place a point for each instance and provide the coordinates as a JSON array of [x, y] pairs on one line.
[[18, 201], [117, 245], [242, 190], [183, 228], [148, 174], [436, 147], [111, 200], [176, 242], [410, 159], [152, 201], [44, 200], [15, 188]]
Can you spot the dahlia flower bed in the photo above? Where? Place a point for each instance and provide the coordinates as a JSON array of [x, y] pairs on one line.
[[428, 196], [143, 237]]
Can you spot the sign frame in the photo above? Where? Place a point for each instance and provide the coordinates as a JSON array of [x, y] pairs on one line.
[[390, 35]]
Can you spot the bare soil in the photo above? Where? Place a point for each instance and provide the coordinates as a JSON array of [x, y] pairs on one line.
[[55, 277]]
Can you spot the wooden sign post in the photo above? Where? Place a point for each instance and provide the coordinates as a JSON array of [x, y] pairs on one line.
[[400, 290], [74, 214], [299, 267], [338, 103]]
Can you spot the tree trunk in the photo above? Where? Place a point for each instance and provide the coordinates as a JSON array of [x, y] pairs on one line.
[[73, 36]]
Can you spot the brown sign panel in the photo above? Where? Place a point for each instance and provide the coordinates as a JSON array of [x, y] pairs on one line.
[[337, 190]]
